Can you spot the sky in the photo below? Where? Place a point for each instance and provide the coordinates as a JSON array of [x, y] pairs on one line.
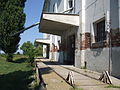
[[33, 10]]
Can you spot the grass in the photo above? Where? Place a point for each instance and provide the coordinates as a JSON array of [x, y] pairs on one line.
[[113, 86], [76, 88], [15, 75]]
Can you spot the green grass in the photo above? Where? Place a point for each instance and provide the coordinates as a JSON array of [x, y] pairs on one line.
[[15, 75], [113, 86], [76, 89]]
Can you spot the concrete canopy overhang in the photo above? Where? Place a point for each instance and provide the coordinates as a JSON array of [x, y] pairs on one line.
[[57, 23], [43, 41]]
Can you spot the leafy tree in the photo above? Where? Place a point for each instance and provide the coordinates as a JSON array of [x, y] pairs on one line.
[[31, 50], [26, 47], [12, 19], [38, 49]]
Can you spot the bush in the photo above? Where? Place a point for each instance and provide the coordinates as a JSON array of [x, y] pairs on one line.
[[30, 59]]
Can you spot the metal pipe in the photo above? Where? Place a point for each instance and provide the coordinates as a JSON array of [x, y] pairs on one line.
[[21, 31], [109, 40]]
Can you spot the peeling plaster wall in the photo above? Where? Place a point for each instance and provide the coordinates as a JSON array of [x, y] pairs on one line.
[[94, 10], [116, 61], [115, 27], [114, 14], [98, 59]]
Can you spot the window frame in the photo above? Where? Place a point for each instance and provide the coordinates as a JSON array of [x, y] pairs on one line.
[[72, 4], [55, 8], [100, 36]]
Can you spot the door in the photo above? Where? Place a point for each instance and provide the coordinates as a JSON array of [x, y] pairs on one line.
[[71, 49]]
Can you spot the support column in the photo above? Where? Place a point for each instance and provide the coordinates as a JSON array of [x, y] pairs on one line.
[[83, 31]]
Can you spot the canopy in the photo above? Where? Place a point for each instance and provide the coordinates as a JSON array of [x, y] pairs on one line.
[[57, 23]]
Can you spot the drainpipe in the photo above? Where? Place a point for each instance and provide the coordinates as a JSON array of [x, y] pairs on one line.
[[109, 40], [110, 52], [74, 6], [21, 31]]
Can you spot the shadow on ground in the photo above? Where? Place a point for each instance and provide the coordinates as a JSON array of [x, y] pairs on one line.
[[55, 63], [20, 60], [45, 70], [51, 63], [17, 80]]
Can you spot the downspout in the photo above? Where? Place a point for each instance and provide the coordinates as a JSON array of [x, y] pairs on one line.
[[74, 6], [109, 40]]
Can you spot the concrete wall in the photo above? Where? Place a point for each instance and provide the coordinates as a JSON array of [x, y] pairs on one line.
[[114, 14], [60, 4], [119, 12], [78, 6], [92, 11], [115, 27], [98, 59], [116, 61]]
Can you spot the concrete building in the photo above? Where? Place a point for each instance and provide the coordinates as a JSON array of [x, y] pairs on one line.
[[50, 46], [89, 30]]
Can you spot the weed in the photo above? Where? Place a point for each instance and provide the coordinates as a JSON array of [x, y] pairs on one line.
[[112, 86]]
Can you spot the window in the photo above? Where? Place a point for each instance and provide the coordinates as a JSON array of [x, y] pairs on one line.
[[55, 8], [47, 6], [70, 3], [100, 31]]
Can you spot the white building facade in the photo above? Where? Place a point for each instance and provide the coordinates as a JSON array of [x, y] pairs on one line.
[[84, 27], [50, 46]]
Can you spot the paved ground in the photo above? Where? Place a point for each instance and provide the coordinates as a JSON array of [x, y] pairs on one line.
[[52, 80], [83, 79], [91, 74]]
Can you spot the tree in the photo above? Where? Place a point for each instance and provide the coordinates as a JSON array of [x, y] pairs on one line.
[[29, 50], [38, 49], [12, 19], [26, 47]]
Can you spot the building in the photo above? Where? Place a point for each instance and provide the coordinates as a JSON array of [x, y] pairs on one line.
[[50, 46], [88, 29]]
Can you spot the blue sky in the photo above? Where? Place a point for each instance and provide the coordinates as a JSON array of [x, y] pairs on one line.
[[33, 9]]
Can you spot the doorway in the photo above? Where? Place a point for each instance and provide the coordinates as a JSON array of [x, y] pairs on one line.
[[71, 50]]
